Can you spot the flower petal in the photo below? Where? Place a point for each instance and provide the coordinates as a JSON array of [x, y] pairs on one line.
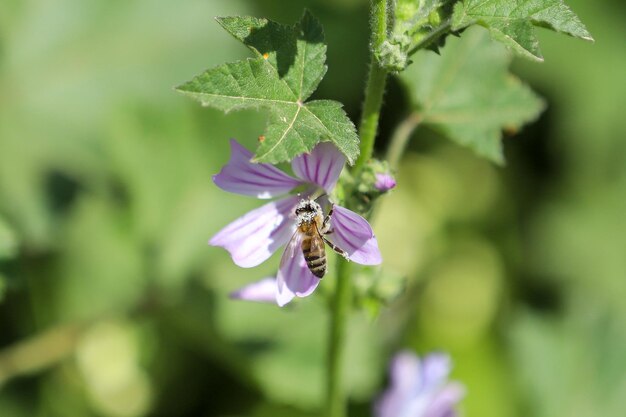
[[294, 277], [404, 378], [263, 291], [321, 167], [419, 388], [435, 371], [444, 401], [404, 371], [353, 234], [253, 238], [241, 176]]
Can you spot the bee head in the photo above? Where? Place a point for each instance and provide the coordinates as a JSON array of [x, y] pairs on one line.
[[306, 206]]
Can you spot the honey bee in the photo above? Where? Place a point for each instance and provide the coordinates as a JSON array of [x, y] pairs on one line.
[[312, 228]]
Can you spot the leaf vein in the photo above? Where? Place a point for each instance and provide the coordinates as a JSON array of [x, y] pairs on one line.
[[320, 122], [302, 72], [263, 100], [279, 141]]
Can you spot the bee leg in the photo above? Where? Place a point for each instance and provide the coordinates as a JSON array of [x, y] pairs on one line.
[[326, 225], [336, 248]]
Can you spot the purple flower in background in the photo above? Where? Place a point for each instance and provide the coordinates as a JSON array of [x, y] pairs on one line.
[[254, 237], [263, 291], [384, 182], [419, 388]]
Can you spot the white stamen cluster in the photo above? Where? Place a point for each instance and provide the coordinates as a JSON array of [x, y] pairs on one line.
[[307, 211]]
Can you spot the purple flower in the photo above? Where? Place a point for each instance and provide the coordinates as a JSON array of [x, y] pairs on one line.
[[254, 237], [419, 388], [384, 182], [263, 291]]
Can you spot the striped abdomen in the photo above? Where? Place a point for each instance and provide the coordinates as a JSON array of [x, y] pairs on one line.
[[314, 253]]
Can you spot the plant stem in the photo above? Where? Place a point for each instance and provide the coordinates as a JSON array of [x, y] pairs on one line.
[[376, 80], [336, 402], [400, 138], [340, 309]]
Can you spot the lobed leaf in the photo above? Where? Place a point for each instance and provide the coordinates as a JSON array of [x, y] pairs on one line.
[[468, 95], [512, 21], [288, 67], [297, 53]]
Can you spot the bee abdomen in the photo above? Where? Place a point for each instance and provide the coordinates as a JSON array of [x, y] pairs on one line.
[[315, 257], [316, 264]]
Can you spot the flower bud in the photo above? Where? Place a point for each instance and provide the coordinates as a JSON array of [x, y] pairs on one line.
[[393, 53], [374, 180], [384, 182]]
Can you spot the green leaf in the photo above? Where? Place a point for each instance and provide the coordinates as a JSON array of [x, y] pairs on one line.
[[468, 94], [297, 53], [511, 21], [288, 67]]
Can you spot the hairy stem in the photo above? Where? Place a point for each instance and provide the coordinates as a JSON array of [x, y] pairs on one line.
[[376, 80], [340, 309], [340, 304], [336, 401], [400, 138]]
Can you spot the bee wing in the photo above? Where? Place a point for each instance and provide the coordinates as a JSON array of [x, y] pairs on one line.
[[294, 277], [294, 246]]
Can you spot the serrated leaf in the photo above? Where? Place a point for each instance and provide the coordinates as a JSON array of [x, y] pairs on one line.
[[297, 53], [468, 95], [512, 21], [288, 67]]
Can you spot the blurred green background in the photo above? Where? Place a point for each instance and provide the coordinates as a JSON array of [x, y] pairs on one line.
[[112, 304]]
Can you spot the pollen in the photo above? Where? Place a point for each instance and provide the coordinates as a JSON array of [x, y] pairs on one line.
[[307, 211], [266, 55], [261, 138]]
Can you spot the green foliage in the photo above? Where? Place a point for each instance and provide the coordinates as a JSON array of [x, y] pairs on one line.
[[289, 64], [295, 340], [122, 238], [414, 22], [557, 359], [469, 96], [3, 286], [412, 14], [417, 19], [393, 53], [511, 21], [8, 249], [8, 241], [376, 289]]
